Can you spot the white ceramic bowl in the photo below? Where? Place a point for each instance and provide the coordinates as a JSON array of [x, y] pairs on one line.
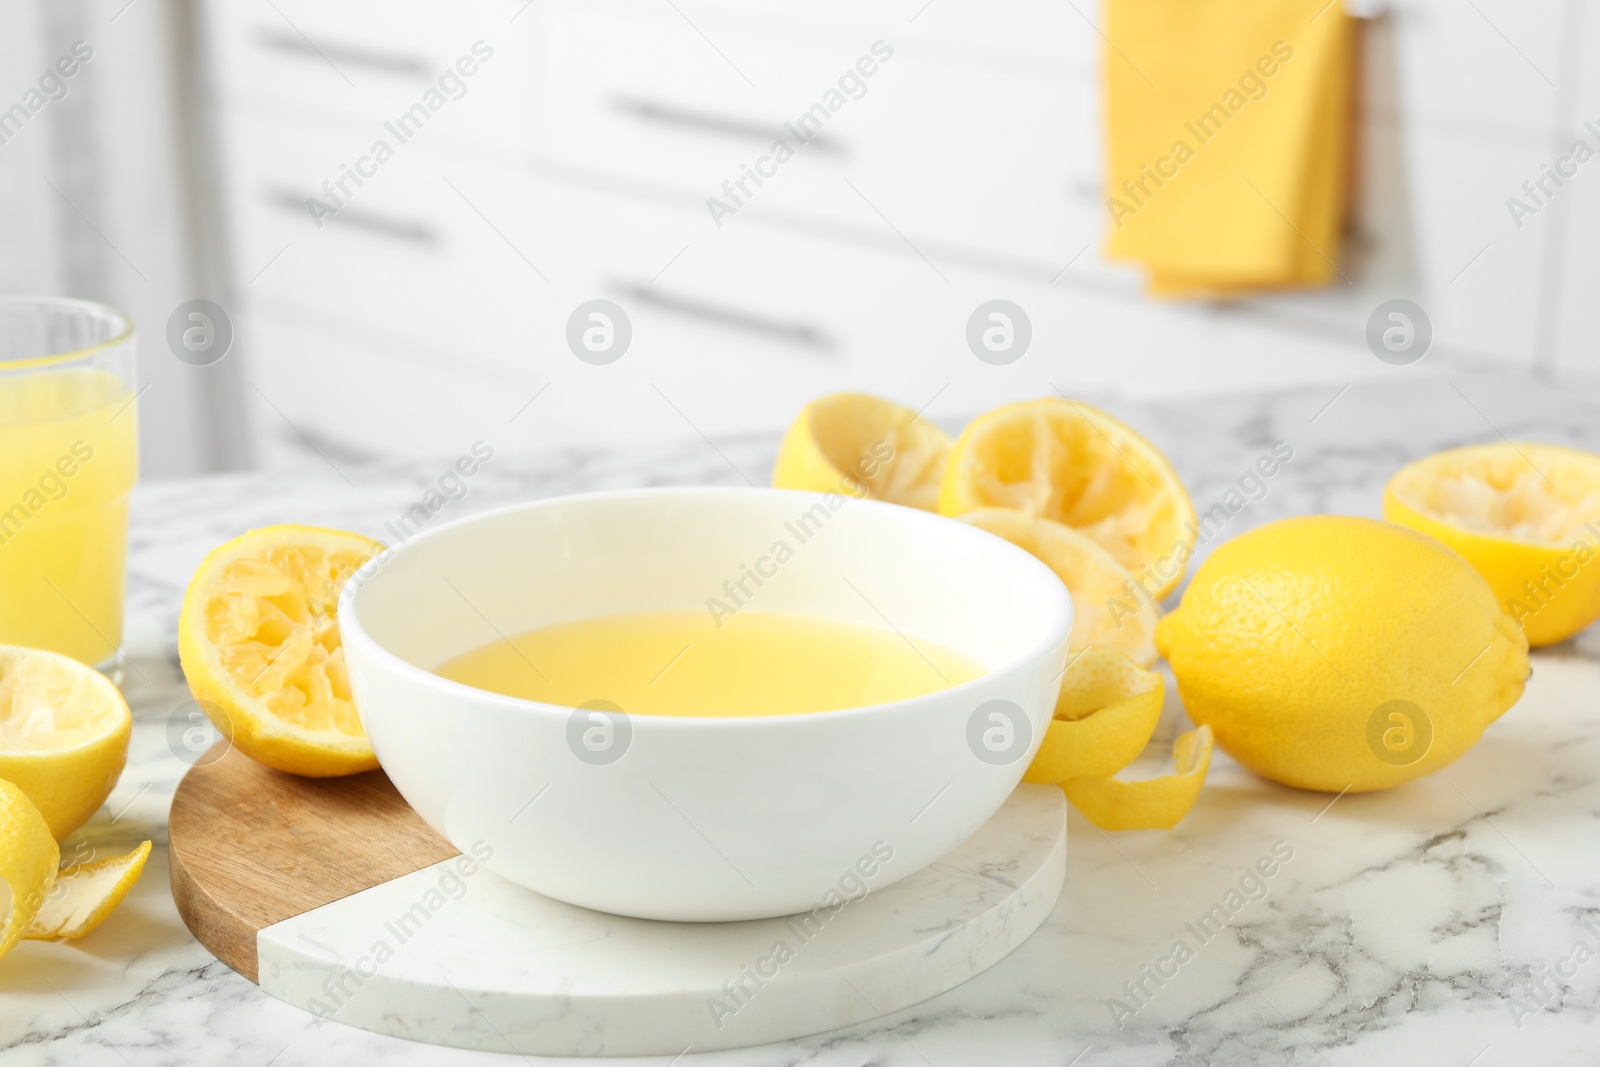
[[704, 819]]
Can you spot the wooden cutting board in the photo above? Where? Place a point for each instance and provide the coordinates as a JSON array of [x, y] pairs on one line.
[[251, 846]]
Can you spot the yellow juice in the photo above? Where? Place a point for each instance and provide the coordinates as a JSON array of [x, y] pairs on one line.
[[68, 457], [682, 663]]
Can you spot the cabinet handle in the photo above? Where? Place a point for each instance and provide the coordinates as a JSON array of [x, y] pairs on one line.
[[799, 333], [355, 215], [723, 125], [336, 52]]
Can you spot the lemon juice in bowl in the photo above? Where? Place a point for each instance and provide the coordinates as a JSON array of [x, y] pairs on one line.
[[689, 663], [68, 435]]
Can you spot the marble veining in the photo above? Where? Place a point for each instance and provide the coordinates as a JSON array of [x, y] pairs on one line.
[[1439, 923]]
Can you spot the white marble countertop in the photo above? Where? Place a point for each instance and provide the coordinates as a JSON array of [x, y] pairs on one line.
[[1409, 926]]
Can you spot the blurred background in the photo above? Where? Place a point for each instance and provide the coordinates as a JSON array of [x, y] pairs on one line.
[[536, 155]]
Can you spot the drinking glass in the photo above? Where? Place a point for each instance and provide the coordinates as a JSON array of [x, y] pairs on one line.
[[68, 459]]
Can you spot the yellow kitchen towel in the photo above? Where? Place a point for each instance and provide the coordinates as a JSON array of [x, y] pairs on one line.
[[1227, 129]]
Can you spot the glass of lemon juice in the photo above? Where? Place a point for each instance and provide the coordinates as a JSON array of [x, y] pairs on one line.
[[68, 459]]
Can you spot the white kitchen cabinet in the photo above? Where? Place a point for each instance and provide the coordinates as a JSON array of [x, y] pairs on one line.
[[579, 161]]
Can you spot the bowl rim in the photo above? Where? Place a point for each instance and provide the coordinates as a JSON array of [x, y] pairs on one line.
[[1059, 627]]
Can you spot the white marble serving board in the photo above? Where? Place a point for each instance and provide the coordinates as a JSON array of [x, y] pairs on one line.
[[455, 955]]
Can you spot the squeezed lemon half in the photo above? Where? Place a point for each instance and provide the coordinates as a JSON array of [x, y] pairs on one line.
[[1104, 613], [1067, 462], [863, 446], [259, 642], [1525, 515], [64, 732]]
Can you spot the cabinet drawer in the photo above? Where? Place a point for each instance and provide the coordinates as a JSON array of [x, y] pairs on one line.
[[356, 402], [359, 67], [1488, 69], [987, 159], [440, 254], [1018, 31]]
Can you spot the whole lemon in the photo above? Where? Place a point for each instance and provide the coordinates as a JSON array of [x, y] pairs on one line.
[[1331, 652]]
